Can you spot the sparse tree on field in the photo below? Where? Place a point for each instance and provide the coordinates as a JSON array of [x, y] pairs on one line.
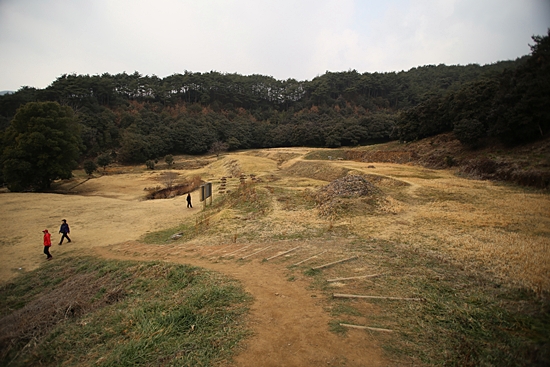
[[218, 147], [90, 167], [169, 159], [104, 160]]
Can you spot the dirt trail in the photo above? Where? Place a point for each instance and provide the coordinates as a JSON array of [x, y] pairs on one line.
[[289, 324]]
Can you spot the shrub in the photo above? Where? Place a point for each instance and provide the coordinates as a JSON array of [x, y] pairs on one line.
[[90, 167], [104, 160]]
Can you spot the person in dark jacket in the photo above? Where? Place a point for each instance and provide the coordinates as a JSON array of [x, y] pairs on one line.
[[189, 201], [47, 244], [65, 230]]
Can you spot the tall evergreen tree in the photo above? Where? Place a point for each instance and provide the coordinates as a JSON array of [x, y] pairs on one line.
[[41, 144]]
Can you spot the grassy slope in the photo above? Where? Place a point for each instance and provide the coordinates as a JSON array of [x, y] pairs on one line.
[[84, 311]]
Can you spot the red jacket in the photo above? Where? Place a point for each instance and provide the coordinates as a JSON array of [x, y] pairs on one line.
[[47, 238]]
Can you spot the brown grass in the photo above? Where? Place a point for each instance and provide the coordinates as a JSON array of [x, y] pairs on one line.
[[498, 233], [502, 229]]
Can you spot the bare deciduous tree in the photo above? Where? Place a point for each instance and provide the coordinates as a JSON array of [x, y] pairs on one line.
[[169, 178], [218, 147]]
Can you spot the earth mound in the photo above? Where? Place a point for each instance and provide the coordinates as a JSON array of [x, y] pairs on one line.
[[351, 186], [351, 194]]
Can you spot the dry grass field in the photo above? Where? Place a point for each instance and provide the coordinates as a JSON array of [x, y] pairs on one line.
[[423, 234]]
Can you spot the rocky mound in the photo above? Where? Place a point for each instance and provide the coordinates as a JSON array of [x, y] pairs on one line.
[[350, 186], [340, 196]]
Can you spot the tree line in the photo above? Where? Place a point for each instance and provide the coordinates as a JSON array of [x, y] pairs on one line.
[[135, 118], [511, 106]]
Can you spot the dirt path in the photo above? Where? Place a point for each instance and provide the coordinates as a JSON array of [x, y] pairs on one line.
[[288, 321]]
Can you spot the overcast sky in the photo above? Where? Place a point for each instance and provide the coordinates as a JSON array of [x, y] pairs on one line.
[[301, 39]]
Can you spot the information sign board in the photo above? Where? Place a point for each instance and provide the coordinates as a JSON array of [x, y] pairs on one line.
[[206, 191]]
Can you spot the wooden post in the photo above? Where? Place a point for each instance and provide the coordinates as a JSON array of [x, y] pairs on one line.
[[366, 328], [309, 258], [257, 252], [239, 250], [339, 295], [335, 262], [350, 278], [284, 253]]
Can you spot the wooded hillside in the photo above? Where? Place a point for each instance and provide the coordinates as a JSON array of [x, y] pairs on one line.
[[137, 117]]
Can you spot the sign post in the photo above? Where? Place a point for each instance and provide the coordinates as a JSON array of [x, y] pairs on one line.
[[206, 192]]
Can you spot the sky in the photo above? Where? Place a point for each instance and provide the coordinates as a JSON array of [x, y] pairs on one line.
[[41, 40]]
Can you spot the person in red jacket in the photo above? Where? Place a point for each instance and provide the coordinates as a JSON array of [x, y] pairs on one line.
[[47, 244]]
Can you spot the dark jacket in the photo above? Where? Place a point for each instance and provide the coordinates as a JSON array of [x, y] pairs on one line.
[[64, 228]]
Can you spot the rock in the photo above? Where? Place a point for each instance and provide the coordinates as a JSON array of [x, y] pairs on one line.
[[176, 236]]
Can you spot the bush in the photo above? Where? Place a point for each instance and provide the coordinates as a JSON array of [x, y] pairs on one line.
[[104, 160], [150, 164], [90, 167]]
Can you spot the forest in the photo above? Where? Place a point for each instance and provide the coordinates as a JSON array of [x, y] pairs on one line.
[[138, 117]]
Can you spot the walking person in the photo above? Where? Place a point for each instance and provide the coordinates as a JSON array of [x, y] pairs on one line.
[[47, 244], [65, 230], [189, 200]]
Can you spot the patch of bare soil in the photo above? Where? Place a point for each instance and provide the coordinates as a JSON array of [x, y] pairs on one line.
[[351, 186], [174, 190]]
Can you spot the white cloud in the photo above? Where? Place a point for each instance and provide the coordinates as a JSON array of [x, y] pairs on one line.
[[42, 39]]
